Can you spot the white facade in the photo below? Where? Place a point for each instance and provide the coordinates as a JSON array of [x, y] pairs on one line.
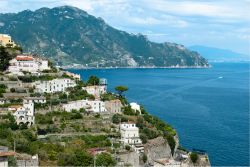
[[135, 106], [55, 85], [25, 114], [76, 105], [96, 90], [28, 64], [97, 106], [130, 134], [35, 99], [94, 106]]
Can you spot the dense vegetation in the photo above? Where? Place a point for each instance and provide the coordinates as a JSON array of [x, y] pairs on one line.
[[6, 54], [77, 37]]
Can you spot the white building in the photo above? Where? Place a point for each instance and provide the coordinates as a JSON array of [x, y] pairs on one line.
[[113, 106], [27, 63], [88, 105], [40, 99], [130, 134], [135, 106], [96, 90], [55, 85], [97, 106], [25, 114], [76, 105]]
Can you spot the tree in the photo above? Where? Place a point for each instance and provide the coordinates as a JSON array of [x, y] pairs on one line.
[[127, 147], [116, 118], [12, 90], [93, 80], [171, 143], [121, 89], [194, 157], [5, 57], [144, 158], [105, 159]]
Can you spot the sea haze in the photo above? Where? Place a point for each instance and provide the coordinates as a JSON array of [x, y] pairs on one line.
[[208, 107]]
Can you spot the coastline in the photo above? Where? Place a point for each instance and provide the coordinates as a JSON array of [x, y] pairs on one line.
[[141, 67]]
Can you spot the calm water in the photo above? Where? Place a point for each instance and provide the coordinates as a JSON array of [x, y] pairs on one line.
[[208, 107]]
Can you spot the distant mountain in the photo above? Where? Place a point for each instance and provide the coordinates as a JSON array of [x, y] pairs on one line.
[[69, 35], [216, 54]]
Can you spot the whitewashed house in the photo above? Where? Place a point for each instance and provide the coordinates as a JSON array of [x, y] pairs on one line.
[[97, 106], [55, 85], [135, 106], [130, 134], [88, 105], [40, 99], [25, 114], [27, 63], [113, 106], [76, 105]]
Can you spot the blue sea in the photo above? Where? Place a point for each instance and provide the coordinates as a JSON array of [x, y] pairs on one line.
[[208, 107]]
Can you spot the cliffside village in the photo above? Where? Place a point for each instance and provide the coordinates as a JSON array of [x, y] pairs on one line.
[[34, 94]]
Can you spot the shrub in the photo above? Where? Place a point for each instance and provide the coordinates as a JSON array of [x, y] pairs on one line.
[[171, 143], [127, 147], [116, 118], [105, 159], [194, 157], [144, 158], [12, 90]]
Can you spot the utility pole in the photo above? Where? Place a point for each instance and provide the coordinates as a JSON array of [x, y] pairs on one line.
[[14, 145], [94, 160]]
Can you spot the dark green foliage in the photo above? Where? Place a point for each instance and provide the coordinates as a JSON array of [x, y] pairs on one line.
[[93, 80], [95, 35], [151, 134], [108, 96], [116, 118], [127, 147], [171, 143], [105, 159], [2, 88], [96, 141], [12, 161], [77, 93], [121, 89], [12, 90], [194, 157], [78, 158], [129, 111], [143, 138], [43, 119], [5, 57], [144, 158], [31, 78], [159, 124]]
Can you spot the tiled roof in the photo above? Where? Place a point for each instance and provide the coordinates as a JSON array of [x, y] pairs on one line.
[[7, 153], [24, 58]]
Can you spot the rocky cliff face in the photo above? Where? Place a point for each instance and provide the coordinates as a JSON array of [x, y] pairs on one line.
[[69, 35], [157, 148]]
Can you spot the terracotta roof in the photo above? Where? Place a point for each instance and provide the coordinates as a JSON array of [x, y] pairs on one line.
[[24, 58], [7, 153]]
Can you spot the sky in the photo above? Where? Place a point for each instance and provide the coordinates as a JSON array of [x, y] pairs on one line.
[[216, 23]]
